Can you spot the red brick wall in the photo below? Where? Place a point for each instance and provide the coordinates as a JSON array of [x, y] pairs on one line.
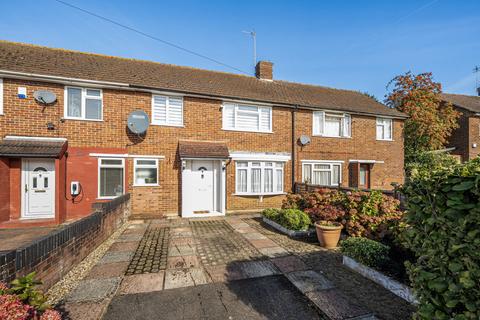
[[4, 190], [203, 121], [15, 188], [466, 136], [474, 137]]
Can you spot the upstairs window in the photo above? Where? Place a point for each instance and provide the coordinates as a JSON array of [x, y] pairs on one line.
[[323, 173], [384, 129], [259, 178], [167, 110], [83, 103], [331, 124], [247, 118], [1, 96]]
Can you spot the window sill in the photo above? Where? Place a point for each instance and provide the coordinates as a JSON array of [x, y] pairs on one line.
[[324, 136], [82, 119], [387, 140], [258, 194], [252, 131], [146, 185], [168, 125], [108, 198]]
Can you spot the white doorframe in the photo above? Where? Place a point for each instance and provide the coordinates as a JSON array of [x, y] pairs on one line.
[[25, 213], [218, 185]]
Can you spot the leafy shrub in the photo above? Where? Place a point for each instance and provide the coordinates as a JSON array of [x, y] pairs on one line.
[[293, 219], [22, 301], [366, 251], [443, 230]]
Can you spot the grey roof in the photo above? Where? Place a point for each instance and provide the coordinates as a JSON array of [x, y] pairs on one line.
[[470, 103], [146, 74], [32, 148]]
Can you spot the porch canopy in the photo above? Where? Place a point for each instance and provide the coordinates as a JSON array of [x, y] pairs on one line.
[[203, 150], [32, 147]]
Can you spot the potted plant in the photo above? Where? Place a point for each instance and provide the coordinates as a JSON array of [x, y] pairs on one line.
[[328, 233]]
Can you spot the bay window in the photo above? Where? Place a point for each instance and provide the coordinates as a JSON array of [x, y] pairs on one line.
[[258, 177], [322, 173], [110, 177], [384, 129], [83, 103], [331, 124]]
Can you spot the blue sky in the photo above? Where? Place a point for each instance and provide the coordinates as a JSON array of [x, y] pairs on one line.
[[357, 45]]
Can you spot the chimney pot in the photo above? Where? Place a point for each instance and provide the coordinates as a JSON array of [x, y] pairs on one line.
[[264, 70]]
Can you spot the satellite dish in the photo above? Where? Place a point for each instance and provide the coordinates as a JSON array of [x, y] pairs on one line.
[[44, 96], [138, 122], [304, 140]]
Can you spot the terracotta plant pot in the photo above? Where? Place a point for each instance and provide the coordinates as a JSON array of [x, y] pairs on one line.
[[328, 234]]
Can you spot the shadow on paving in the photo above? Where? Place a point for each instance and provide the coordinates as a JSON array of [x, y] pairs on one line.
[[271, 297]]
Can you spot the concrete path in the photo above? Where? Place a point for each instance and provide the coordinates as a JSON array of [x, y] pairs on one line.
[[223, 268]]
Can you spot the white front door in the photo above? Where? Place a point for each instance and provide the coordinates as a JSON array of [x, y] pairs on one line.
[[201, 179], [38, 188], [203, 188]]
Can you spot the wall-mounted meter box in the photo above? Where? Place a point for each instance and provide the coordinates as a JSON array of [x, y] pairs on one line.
[[22, 92], [75, 188]]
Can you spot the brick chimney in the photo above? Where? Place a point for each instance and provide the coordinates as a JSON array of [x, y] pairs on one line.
[[264, 70]]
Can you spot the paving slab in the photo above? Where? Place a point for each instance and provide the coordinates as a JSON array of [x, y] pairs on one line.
[[129, 237], [263, 243], [256, 269], [182, 262], [274, 252], [254, 236], [309, 280], [116, 256], [256, 299], [182, 241], [123, 246], [177, 278], [84, 310], [93, 290], [142, 283], [245, 230], [289, 264], [225, 273], [107, 270], [337, 306], [181, 250]]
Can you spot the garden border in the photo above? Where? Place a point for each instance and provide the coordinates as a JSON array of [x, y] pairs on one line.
[[310, 233], [388, 283]]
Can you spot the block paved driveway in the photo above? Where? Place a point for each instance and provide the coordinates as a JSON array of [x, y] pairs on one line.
[[224, 268]]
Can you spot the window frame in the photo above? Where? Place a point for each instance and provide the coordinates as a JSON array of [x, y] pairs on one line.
[[1, 96], [83, 106], [100, 166], [167, 107], [235, 117], [312, 164], [344, 133], [377, 124], [148, 166], [274, 167]]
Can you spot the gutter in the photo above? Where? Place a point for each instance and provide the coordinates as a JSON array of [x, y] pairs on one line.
[[133, 87]]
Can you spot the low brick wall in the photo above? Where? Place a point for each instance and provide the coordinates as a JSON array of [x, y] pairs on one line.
[[55, 254]]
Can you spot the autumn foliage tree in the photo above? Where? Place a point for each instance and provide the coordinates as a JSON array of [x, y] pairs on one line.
[[431, 120]]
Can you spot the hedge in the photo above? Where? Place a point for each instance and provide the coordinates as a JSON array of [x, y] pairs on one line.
[[369, 252], [443, 230], [292, 219]]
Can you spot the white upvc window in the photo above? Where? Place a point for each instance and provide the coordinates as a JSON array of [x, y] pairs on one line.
[[167, 110], [145, 172], [242, 117], [332, 124], [384, 129], [1, 96], [111, 177], [83, 103], [322, 173], [259, 178]]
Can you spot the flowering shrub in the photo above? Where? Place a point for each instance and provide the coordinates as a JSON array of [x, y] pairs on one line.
[[22, 301], [363, 214], [292, 219]]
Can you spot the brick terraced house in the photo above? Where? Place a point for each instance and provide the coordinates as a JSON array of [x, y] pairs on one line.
[[216, 142], [466, 138]]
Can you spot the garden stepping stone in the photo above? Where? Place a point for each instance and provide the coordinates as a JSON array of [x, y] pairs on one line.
[[94, 289], [140, 283]]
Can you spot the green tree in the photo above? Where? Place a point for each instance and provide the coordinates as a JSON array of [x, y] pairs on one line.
[[431, 120]]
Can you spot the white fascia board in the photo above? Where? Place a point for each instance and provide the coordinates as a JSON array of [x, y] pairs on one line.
[[365, 161], [125, 155], [323, 161], [25, 138], [257, 156]]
